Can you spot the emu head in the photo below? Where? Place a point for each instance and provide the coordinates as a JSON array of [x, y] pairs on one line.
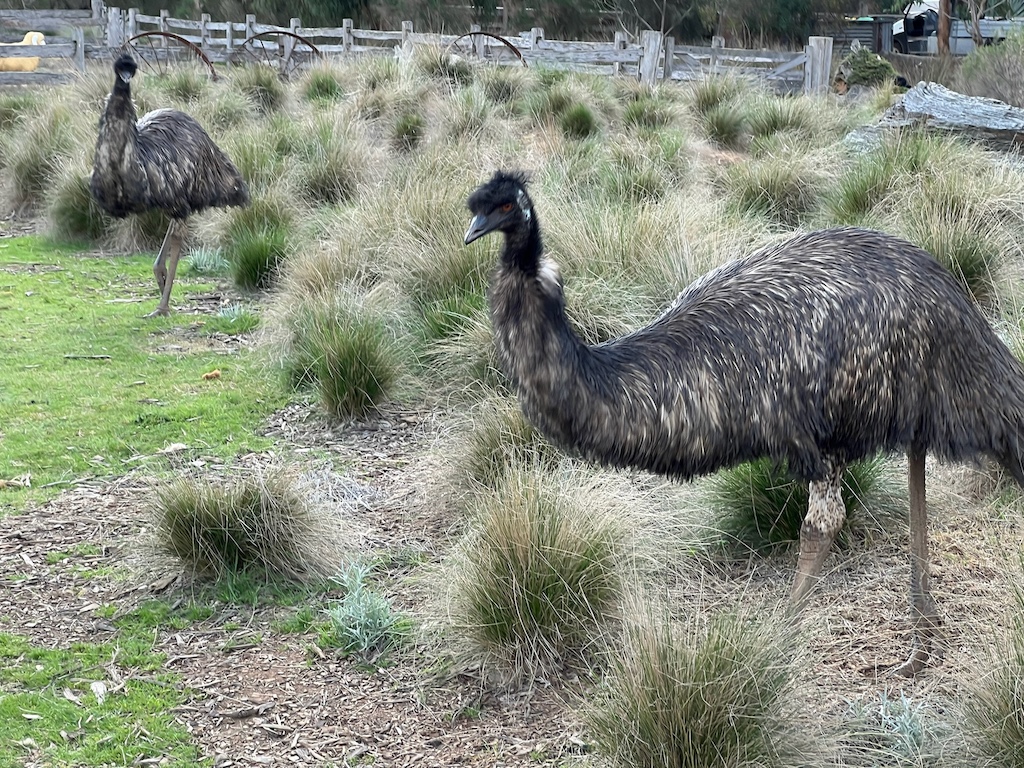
[[125, 67], [501, 204]]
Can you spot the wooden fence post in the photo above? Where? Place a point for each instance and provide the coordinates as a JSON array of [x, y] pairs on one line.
[[670, 55], [204, 30], [479, 43], [294, 25], [98, 11], [651, 56], [536, 37], [346, 35], [133, 24], [818, 66], [250, 25], [229, 37], [79, 37], [717, 44], [115, 28], [406, 31], [618, 45]]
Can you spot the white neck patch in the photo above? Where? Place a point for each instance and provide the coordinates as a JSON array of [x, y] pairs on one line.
[[523, 205]]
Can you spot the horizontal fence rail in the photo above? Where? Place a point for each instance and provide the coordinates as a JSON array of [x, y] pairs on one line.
[[652, 58]]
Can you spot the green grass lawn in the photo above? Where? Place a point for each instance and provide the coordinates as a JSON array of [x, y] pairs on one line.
[[90, 387]]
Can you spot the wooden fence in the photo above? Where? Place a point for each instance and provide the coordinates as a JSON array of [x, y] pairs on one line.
[[61, 49], [652, 58]]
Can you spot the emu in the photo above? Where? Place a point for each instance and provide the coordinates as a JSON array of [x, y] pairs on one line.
[[818, 351], [164, 161]]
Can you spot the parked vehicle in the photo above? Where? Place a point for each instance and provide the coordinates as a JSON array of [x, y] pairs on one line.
[[917, 31]]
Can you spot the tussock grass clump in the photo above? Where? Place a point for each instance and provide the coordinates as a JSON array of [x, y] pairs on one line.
[[322, 84], [257, 240], [333, 160], [348, 351], [466, 113], [408, 129], [138, 232], [714, 693], [578, 122], [259, 523], [725, 124], [262, 152], [207, 261], [226, 110], [261, 85], [782, 189], [40, 149], [71, 211], [648, 112], [759, 508], [500, 440], [437, 64], [15, 107], [537, 577], [773, 114], [994, 708], [549, 103], [712, 92], [504, 85], [185, 84]]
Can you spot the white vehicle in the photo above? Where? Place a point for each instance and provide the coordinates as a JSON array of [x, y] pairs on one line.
[[917, 31]]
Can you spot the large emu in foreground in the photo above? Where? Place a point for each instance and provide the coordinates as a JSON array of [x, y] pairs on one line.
[[164, 161], [816, 352]]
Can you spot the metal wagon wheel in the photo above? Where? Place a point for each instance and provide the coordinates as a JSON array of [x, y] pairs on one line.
[[466, 46], [285, 52], [157, 51]]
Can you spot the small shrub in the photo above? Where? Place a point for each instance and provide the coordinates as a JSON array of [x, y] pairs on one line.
[[408, 130], [322, 85], [863, 67], [261, 85], [578, 122], [257, 523], [712, 695], [996, 71], [536, 579], [207, 261], [889, 732], [760, 508], [363, 622], [994, 708]]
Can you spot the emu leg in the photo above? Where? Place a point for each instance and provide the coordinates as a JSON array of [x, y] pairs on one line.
[[825, 516], [159, 270], [922, 607], [170, 252]]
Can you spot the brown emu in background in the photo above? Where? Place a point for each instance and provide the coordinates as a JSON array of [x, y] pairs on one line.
[[164, 161], [816, 352]]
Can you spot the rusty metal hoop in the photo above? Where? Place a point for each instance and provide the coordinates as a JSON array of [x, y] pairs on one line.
[[286, 54], [155, 57], [471, 51]]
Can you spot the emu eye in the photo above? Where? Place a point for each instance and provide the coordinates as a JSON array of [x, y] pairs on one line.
[[506, 207]]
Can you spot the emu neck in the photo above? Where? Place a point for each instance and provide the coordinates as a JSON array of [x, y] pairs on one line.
[[119, 181]]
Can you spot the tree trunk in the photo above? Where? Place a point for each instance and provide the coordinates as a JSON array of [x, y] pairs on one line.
[[977, 8], [945, 19]]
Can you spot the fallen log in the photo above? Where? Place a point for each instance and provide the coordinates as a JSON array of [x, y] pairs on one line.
[[934, 107]]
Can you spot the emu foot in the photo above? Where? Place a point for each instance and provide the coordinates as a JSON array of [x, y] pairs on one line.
[[926, 653], [160, 311]]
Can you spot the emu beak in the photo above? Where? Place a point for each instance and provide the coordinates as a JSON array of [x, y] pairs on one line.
[[125, 75], [478, 227]]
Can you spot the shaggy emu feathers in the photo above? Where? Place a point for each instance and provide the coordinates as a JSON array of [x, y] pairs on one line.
[[817, 351]]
